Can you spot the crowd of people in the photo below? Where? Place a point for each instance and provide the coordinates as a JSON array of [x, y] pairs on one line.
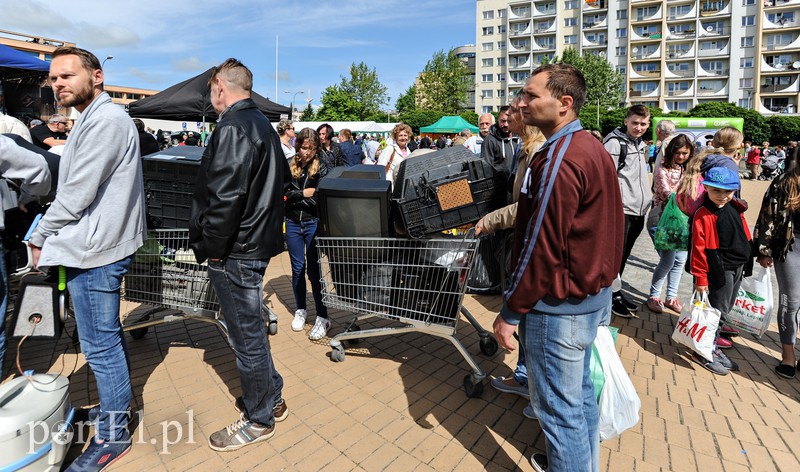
[[577, 204]]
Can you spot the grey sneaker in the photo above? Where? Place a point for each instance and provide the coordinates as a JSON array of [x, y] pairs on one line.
[[529, 413], [723, 359], [715, 366], [280, 411], [239, 434], [509, 385]]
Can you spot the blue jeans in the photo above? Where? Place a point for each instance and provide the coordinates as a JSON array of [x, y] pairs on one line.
[[558, 350], [301, 238], [95, 297], [3, 307], [670, 267], [521, 371], [239, 287]]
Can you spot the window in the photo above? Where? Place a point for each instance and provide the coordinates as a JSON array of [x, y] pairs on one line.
[[746, 83], [501, 45], [646, 31], [486, 77], [646, 67], [781, 18], [645, 13], [487, 93], [645, 87], [488, 62], [746, 63], [501, 78], [622, 70], [501, 29], [488, 15], [570, 39], [748, 20], [682, 105], [748, 2], [622, 51], [709, 45], [487, 47], [570, 4], [677, 86], [570, 22], [680, 10], [501, 61], [744, 103], [488, 30], [501, 93], [781, 39], [501, 13], [622, 32], [678, 66], [487, 109], [748, 41], [715, 67], [622, 14]]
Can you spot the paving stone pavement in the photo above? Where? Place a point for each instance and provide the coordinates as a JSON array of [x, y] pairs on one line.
[[397, 402]]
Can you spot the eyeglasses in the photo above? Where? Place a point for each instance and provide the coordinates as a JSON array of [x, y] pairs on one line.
[[65, 123]]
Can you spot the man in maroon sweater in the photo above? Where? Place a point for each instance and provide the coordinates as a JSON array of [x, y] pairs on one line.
[[568, 248]]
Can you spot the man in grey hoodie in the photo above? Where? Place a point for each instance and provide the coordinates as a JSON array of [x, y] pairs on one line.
[[93, 228], [629, 152]]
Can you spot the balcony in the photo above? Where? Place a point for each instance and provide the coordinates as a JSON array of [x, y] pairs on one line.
[[710, 12], [680, 93], [769, 106], [523, 47], [679, 73], [795, 44], [595, 23], [645, 93], [710, 31], [646, 18], [544, 46], [540, 12], [595, 5], [524, 31], [516, 65], [777, 4], [725, 51], [712, 73], [792, 66], [645, 74], [710, 91], [791, 88], [518, 13], [545, 27], [783, 23], [680, 53], [637, 54], [654, 36], [691, 14]]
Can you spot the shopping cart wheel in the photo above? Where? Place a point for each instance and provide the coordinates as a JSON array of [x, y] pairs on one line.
[[272, 319], [488, 345], [337, 353], [138, 333], [473, 389]]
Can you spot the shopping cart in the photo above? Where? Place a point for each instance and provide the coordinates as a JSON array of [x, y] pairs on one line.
[[419, 283], [166, 280]]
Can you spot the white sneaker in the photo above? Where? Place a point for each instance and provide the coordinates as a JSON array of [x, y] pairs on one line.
[[299, 320], [320, 329]]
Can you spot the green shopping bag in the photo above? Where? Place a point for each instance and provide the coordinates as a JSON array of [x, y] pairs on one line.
[[672, 232], [596, 367]]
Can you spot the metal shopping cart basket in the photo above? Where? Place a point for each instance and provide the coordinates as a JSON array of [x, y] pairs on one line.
[[419, 283], [166, 279]]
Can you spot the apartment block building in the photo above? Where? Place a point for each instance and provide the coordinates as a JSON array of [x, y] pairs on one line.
[[674, 54]]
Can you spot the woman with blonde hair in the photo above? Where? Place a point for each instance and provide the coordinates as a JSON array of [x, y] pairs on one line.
[[531, 139], [301, 229], [393, 155], [776, 230]]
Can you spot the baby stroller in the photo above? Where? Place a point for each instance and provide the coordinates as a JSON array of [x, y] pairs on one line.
[[770, 167]]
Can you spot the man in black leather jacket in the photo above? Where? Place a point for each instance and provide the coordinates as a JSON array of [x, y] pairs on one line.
[[236, 221]]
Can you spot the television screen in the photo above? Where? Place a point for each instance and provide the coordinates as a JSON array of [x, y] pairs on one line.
[[350, 215]]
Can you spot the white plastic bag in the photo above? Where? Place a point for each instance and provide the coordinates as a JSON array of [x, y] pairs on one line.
[[752, 310], [697, 326], [619, 403]]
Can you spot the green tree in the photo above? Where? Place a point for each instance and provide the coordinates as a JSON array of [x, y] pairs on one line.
[[337, 105], [783, 129], [443, 83], [470, 116], [407, 101], [308, 114], [365, 89], [756, 126], [603, 82]]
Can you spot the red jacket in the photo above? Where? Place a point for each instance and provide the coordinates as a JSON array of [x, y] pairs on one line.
[[579, 247], [754, 156], [705, 259]]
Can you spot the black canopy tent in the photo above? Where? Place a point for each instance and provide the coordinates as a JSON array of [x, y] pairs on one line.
[[189, 101]]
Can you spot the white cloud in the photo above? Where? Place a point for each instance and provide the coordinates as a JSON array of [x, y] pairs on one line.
[[190, 64]]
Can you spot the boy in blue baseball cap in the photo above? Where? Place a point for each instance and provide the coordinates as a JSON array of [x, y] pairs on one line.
[[720, 252]]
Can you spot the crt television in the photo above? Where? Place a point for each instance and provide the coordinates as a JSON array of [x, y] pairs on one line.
[[354, 202]]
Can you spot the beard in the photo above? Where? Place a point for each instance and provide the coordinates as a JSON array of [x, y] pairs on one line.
[[79, 97]]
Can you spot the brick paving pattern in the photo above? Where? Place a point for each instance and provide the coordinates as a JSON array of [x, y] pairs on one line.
[[397, 403]]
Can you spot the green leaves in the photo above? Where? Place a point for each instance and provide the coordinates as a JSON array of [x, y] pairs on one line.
[[355, 97], [443, 84]]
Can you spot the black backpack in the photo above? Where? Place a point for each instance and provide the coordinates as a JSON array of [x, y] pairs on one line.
[[623, 151]]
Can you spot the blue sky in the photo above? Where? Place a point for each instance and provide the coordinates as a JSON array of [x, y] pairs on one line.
[[156, 44]]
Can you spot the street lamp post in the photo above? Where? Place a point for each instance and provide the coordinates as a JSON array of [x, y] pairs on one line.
[[104, 61], [291, 104]]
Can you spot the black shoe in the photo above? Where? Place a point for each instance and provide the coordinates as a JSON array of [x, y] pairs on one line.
[[628, 304], [619, 308], [539, 462], [785, 371]]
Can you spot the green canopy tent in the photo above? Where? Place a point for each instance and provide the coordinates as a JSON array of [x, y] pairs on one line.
[[449, 125]]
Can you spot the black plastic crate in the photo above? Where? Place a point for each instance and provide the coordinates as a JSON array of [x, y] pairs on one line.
[[170, 202], [424, 215]]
